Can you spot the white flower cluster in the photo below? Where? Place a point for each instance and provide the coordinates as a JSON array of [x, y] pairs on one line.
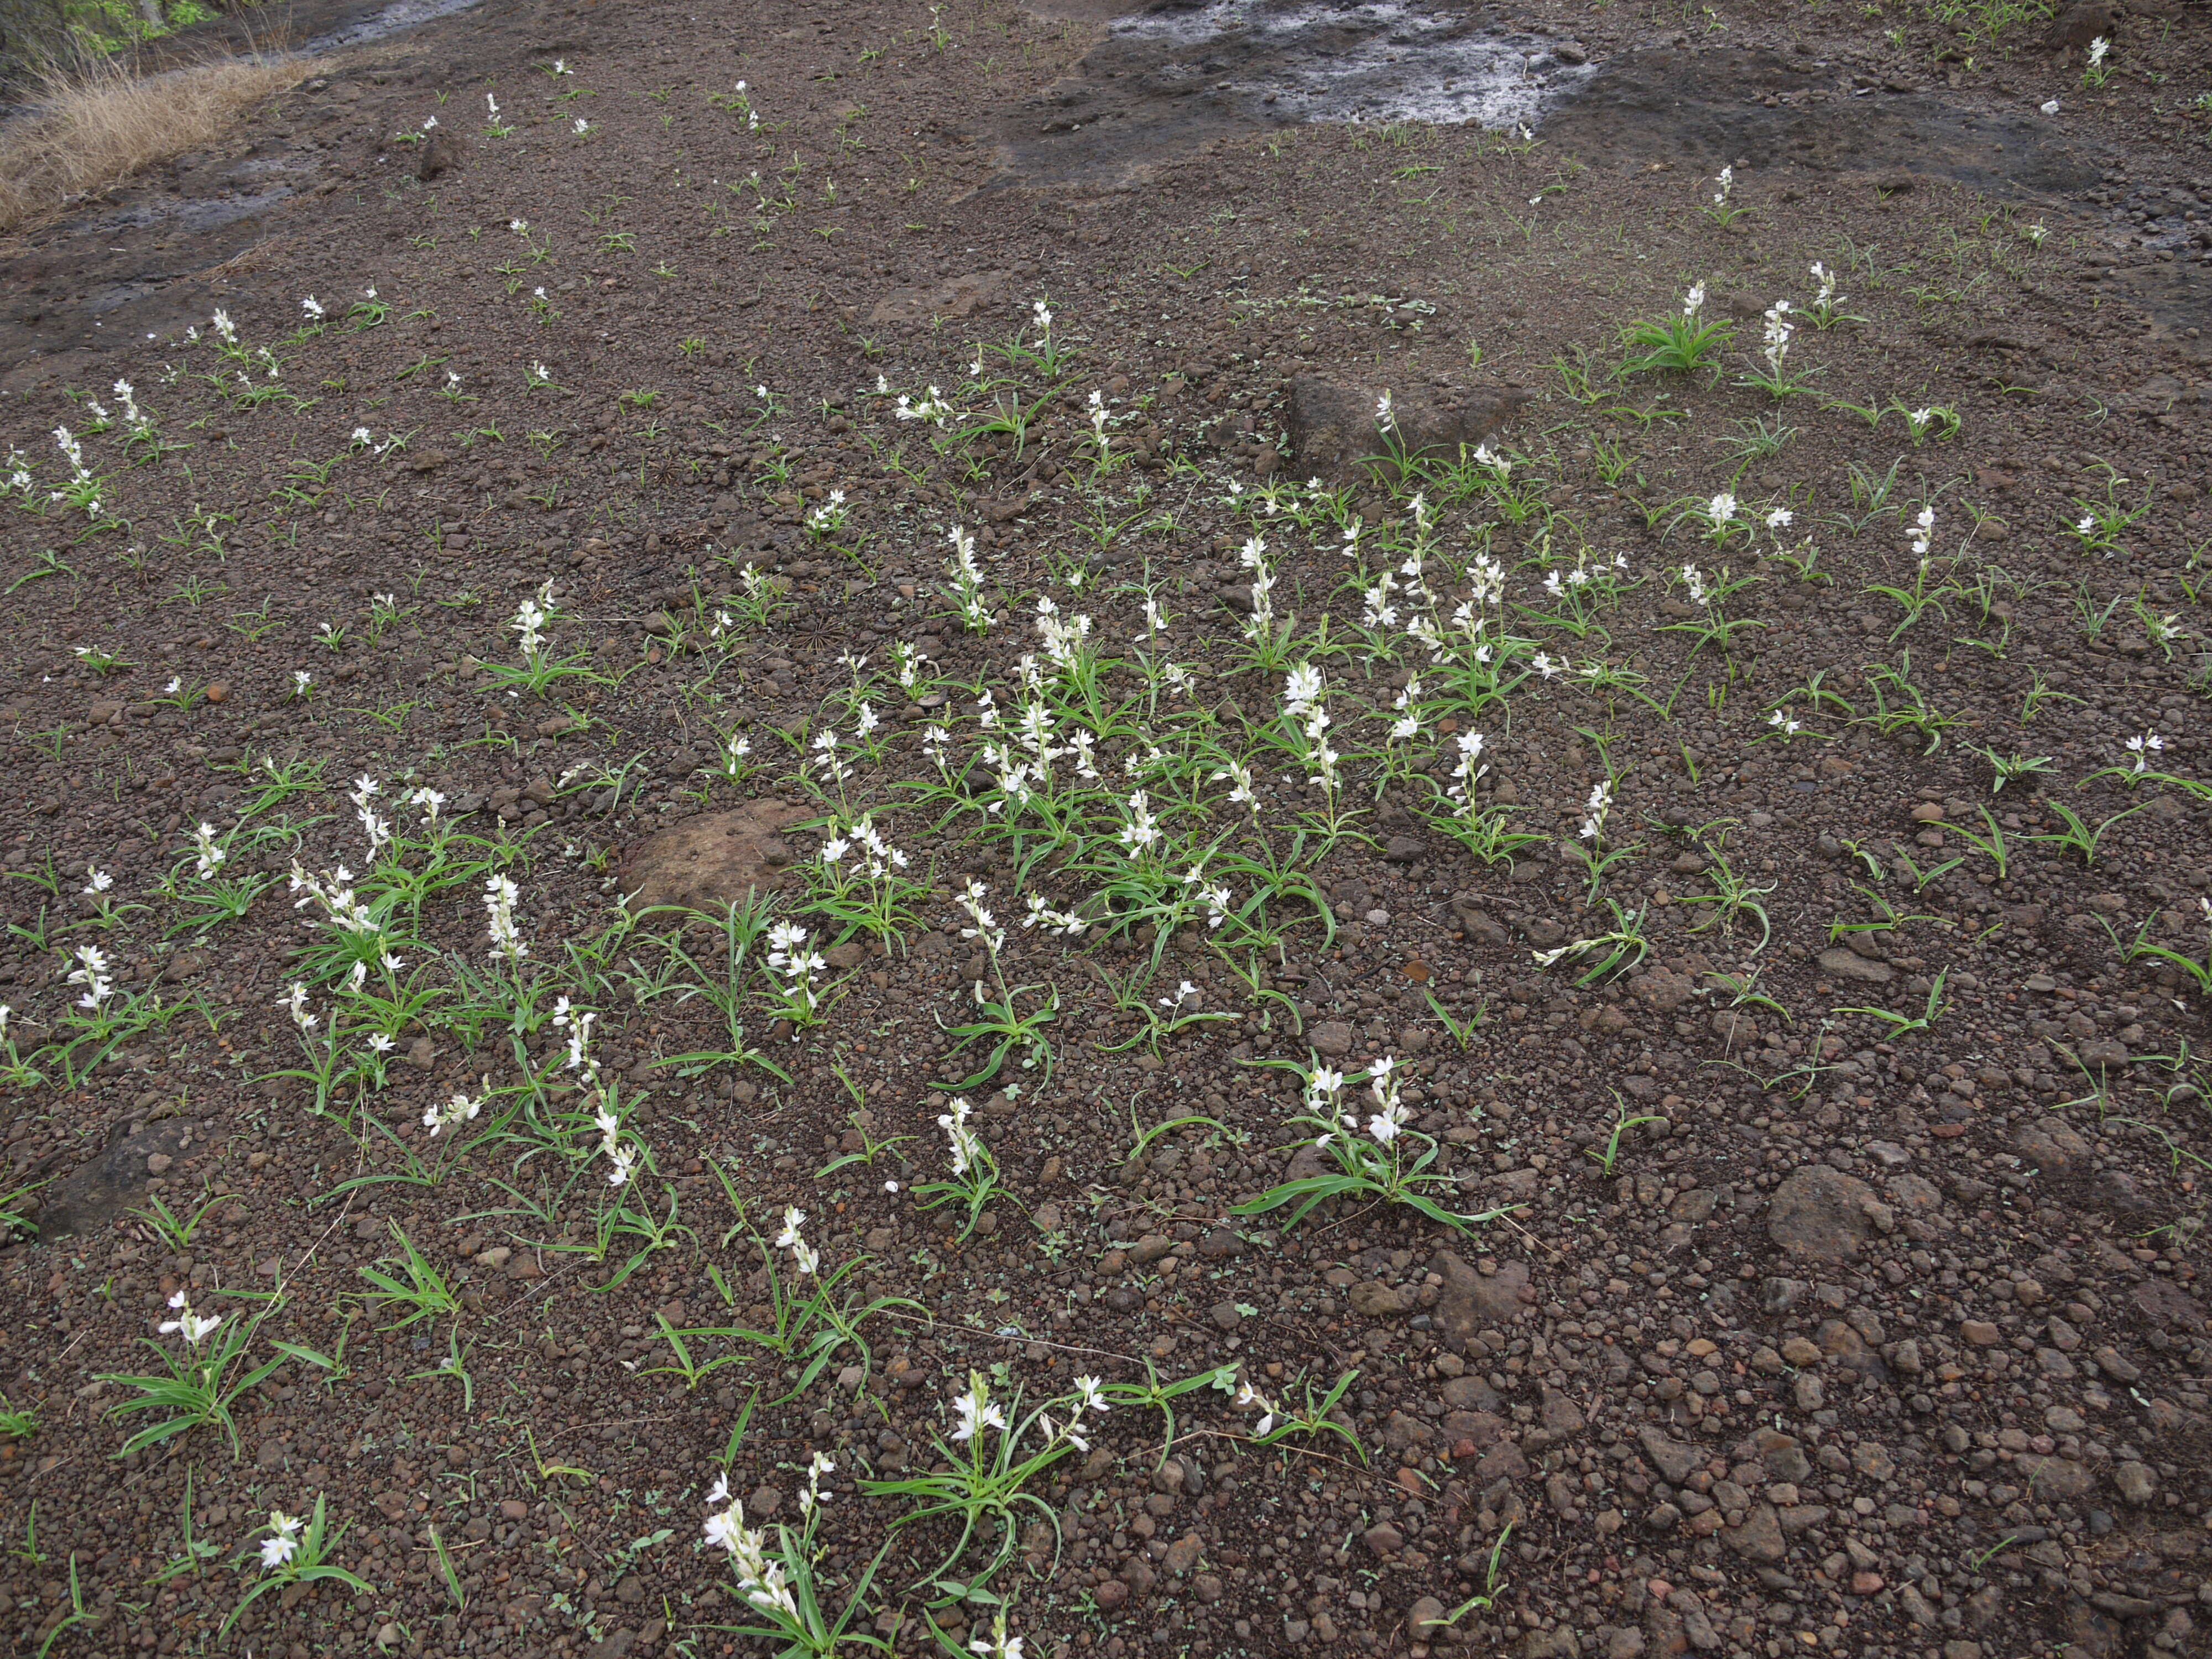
[[374, 824], [1595, 810], [210, 856], [1777, 334], [81, 480], [500, 897], [967, 577], [967, 1151], [1253, 558], [803, 1255], [283, 1540], [193, 1328], [760, 1580], [873, 855], [620, 1156], [91, 973], [1924, 532], [578, 1028], [294, 1002], [1302, 693], [1062, 638], [137, 420], [790, 956], [456, 1111], [983, 926]]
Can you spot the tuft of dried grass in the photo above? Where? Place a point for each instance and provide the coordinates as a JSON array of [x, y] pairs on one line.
[[91, 128]]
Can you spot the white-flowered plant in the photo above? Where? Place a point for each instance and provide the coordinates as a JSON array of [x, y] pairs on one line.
[[194, 1327], [457, 1110], [1386, 1159], [966, 580], [620, 1156], [291, 1551], [91, 975], [501, 894], [798, 999]]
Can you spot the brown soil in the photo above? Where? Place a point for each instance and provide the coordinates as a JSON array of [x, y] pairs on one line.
[[1865, 1338]]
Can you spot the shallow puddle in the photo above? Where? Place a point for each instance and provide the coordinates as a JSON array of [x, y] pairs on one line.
[[1377, 62], [395, 19], [1163, 80]]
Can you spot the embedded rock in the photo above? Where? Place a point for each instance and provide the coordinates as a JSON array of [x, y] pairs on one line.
[[1825, 1214], [713, 860], [1333, 423]]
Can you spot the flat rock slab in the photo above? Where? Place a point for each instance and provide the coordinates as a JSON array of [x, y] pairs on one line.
[[1824, 1214], [714, 860], [96, 1192], [1334, 428], [958, 296], [1471, 1301]]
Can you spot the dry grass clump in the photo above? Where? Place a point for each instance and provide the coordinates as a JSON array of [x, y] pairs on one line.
[[93, 127]]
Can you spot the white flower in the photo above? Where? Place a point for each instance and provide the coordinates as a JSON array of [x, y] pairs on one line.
[[2098, 48], [193, 1328], [1695, 300], [294, 1003], [98, 880], [976, 1409], [500, 897], [1924, 531], [1141, 831], [455, 1112], [284, 1540]]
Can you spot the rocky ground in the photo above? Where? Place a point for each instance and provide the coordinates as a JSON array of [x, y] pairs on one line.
[[674, 499]]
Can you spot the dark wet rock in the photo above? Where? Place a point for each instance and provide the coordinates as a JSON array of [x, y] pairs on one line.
[[1702, 109], [95, 1192], [2074, 29], [1759, 1539], [1332, 1039], [1673, 1460], [441, 154], [2057, 1479], [1375, 1300]]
